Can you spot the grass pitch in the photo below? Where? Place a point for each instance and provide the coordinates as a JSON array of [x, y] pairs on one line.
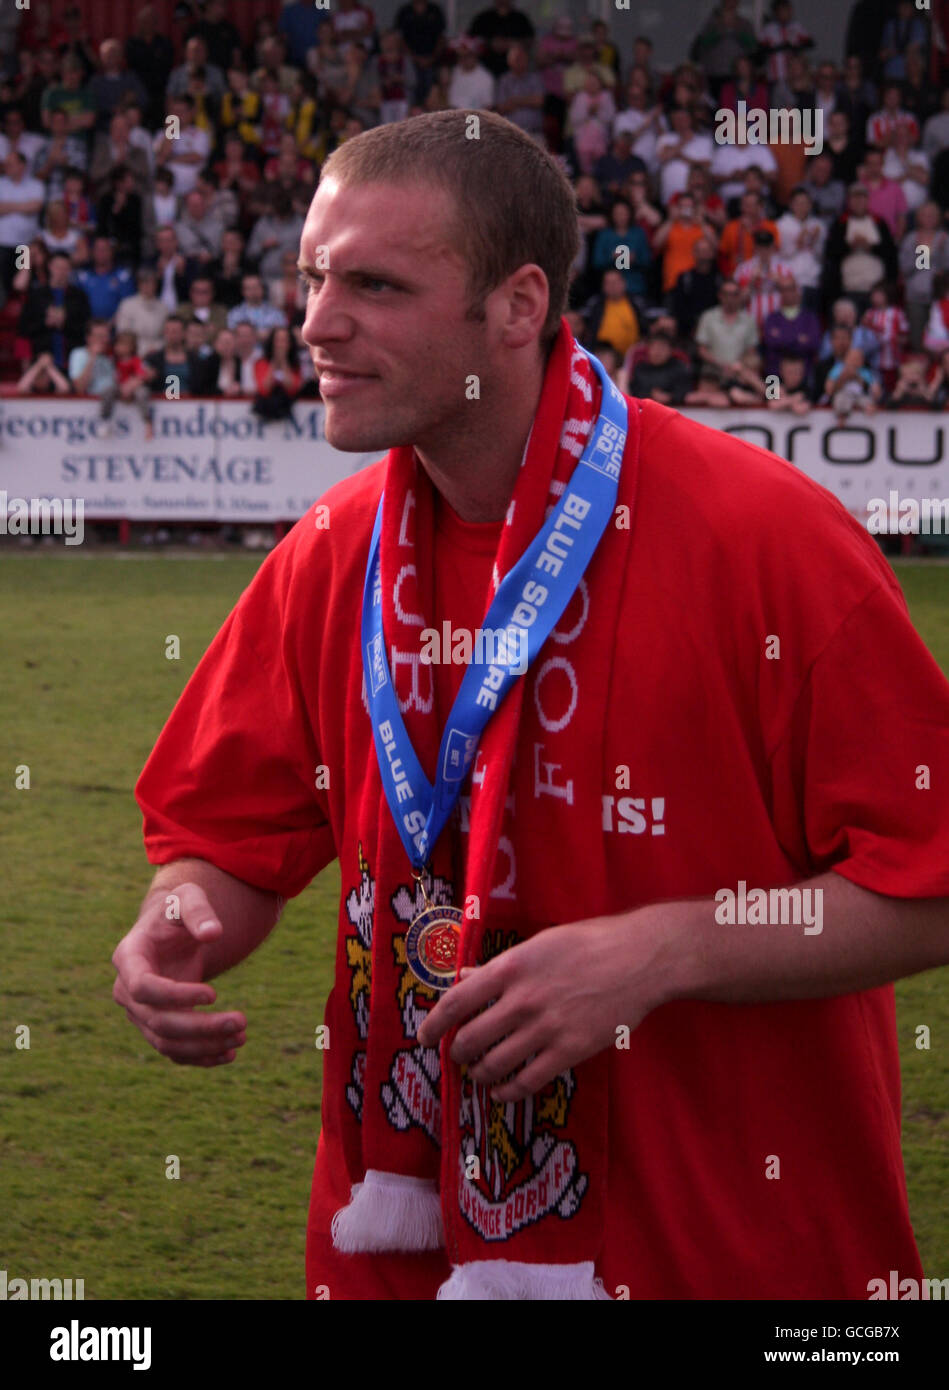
[[90, 1115]]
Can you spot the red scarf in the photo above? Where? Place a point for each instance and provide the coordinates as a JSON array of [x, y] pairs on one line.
[[526, 1219]]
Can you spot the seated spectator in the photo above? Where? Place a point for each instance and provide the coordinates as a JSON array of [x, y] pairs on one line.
[[731, 162], [130, 384], [782, 37], [143, 314], [170, 267], [228, 269], [240, 109], [794, 394], [860, 251], [43, 378], [72, 96], [248, 354], [609, 358], [520, 92], [112, 148], [289, 293], [676, 240], [56, 233], [105, 283], [274, 234], [919, 282], [55, 316], [901, 32], [168, 371], [843, 146], [890, 325], [195, 68], [857, 94], [575, 76], [610, 317], [119, 215], [679, 150], [21, 199], [200, 231], [743, 384], [236, 173], [274, 112], [164, 199], [326, 63], [61, 152], [709, 206], [827, 90], [737, 242], [790, 330], [204, 361], [724, 36], [272, 66], [709, 392], [843, 380], [623, 246], [91, 369], [108, 86], [201, 305], [34, 271], [150, 55], [589, 121], [695, 290], [221, 39], [885, 198], [914, 389], [908, 167], [255, 309], [726, 333], [188, 151], [614, 168], [16, 137], [140, 137], [826, 193], [883, 124], [844, 314], [661, 377], [228, 381], [746, 86], [761, 277], [641, 119], [801, 237], [936, 129], [936, 336], [277, 376]]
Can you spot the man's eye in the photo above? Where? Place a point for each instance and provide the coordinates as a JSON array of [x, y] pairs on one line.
[[372, 283]]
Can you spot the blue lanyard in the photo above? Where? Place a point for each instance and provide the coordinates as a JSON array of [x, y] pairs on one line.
[[528, 603]]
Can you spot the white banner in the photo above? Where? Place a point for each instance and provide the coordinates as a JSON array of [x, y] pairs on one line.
[[215, 461]]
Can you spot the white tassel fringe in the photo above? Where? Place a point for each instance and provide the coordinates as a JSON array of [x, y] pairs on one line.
[[511, 1279], [388, 1211]]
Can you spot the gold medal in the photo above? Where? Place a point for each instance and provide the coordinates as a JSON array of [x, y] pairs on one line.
[[433, 943]]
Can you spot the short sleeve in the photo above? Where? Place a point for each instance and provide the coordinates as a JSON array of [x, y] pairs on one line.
[[860, 777], [233, 775]]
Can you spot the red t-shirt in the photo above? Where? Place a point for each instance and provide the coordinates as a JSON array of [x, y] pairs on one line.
[[768, 770]]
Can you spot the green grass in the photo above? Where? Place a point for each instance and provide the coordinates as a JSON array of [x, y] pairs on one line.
[[89, 1114]]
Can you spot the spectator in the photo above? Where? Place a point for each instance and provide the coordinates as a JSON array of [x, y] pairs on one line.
[[55, 316], [248, 355], [611, 316], [79, 209], [726, 333], [289, 293], [73, 96], [724, 37], [168, 370], [676, 240], [139, 137], [222, 42], [909, 168], [43, 378], [843, 144], [255, 309], [781, 37], [105, 283], [520, 92], [827, 194], [827, 91], [21, 198], [618, 165], [228, 381], [298, 24], [150, 55], [497, 28], [393, 76], [761, 277], [35, 268], [883, 124], [228, 269], [913, 389], [91, 369], [844, 382], [200, 231], [16, 137], [737, 242], [277, 377], [57, 235], [801, 237], [858, 95], [730, 163], [201, 305], [794, 394], [274, 234], [844, 314], [678, 151], [744, 86], [114, 147], [790, 330], [645, 214], [936, 336], [109, 86], [188, 151], [936, 129], [641, 119], [62, 151], [143, 314], [661, 377], [130, 384], [903, 31], [623, 246], [353, 23], [890, 326], [195, 68], [743, 385], [119, 215], [164, 201], [236, 173], [885, 198], [74, 42], [919, 281], [590, 119], [422, 26], [203, 361], [472, 85], [860, 251], [697, 289], [605, 49], [575, 76], [170, 267], [327, 64]]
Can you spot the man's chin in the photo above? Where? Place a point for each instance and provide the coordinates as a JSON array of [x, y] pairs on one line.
[[352, 435]]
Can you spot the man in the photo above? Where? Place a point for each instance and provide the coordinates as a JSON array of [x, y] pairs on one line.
[[422, 26], [201, 306], [472, 86], [738, 236], [860, 251], [520, 94], [613, 169], [16, 137], [171, 268], [255, 309], [724, 334], [21, 199], [187, 150], [790, 330], [761, 277], [885, 197], [660, 376], [843, 380], [678, 151], [196, 65], [221, 39], [73, 96], [105, 283], [62, 151], [498, 28], [696, 289], [169, 369], [108, 87], [610, 317], [200, 231], [150, 54], [143, 313], [55, 316], [91, 369], [625, 1069], [827, 194], [248, 353]]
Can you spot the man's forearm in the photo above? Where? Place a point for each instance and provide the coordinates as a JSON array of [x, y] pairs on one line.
[[845, 940], [247, 914]]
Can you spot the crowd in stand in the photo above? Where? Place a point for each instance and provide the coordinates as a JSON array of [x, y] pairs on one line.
[[708, 271]]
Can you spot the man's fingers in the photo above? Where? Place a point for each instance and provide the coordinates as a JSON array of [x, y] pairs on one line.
[[196, 913], [462, 1000], [486, 1031], [185, 1025], [198, 1052], [532, 1078], [162, 993], [506, 1057]]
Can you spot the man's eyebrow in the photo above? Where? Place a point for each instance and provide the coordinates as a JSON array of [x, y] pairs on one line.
[[365, 272]]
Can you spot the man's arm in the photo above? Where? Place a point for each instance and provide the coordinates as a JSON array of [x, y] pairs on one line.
[[195, 922], [561, 996]]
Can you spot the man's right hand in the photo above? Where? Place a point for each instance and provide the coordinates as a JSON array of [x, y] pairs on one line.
[[161, 965]]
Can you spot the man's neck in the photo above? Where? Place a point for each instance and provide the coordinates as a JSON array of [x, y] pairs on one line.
[[476, 471]]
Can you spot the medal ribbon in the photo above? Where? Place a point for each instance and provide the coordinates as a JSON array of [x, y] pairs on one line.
[[527, 606]]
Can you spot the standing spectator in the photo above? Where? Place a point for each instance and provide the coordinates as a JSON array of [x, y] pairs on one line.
[[678, 151], [695, 290], [827, 194], [255, 308], [472, 85], [889, 323], [661, 376], [61, 151], [91, 369], [590, 120], [55, 316], [143, 314], [228, 269], [781, 37], [201, 305], [737, 242], [761, 277], [843, 145], [801, 237], [16, 137], [75, 43], [905, 30], [394, 74], [200, 231], [195, 68], [790, 330], [622, 246], [299, 24], [497, 28], [936, 129], [353, 23], [611, 317], [73, 96], [130, 382], [113, 147], [150, 55], [860, 251], [277, 377], [520, 92], [908, 166], [575, 76], [222, 41], [676, 240], [105, 283], [57, 235], [21, 198], [744, 86], [168, 370], [113, 82], [724, 37], [188, 151], [885, 199], [641, 118], [273, 234], [170, 267], [726, 333], [422, 26], [119, 215], [613, 169], [883, 124], [919, 281], [248, 355]]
